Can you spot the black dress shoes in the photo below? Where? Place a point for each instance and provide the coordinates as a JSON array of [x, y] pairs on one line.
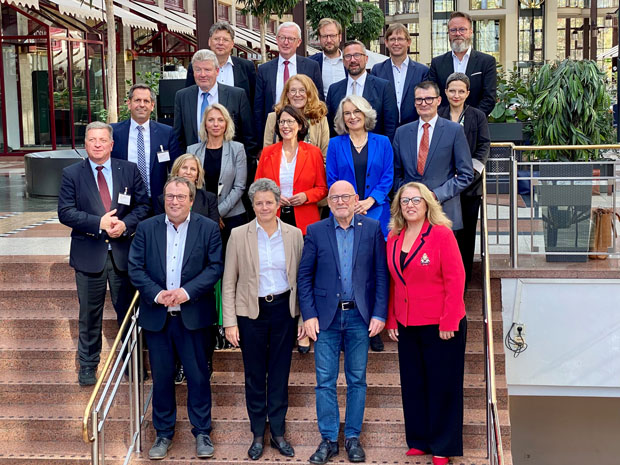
[[355, 450], [256, 450], [87, 376], [303, 349], [283, 446], [327, 450], [376, 344]]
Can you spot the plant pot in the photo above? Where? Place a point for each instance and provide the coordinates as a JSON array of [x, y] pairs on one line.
[[506, 132]]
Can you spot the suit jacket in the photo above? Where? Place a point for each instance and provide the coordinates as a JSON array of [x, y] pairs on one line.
[[381, 96], [202, 268], [266, 98], [235, 101], [476, 130], [161, 135], [429, 289], [309, 177], [80, 207], [233, 176], [241, 273], [318, 133], [244, 76], [416, 73], [482, 72], [379, 172], [205, 204], [318, 286], [448, 170]]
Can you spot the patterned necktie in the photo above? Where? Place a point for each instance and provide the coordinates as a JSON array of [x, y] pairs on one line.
[[286, 75], [104, 192], [204, 105], [423, 151], [142, 160]]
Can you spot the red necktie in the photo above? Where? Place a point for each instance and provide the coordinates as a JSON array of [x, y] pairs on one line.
[[286, 75], [104, 193], [423, 151]]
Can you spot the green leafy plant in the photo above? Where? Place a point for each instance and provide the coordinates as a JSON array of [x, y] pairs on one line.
[[371, 26], [149, 78], [344, 11], [513, 98]]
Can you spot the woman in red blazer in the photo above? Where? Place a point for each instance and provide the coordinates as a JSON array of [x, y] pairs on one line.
[[426, 316], [297, 168]]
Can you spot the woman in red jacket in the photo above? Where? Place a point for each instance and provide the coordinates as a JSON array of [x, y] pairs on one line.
[[296, 167], [426, 316]]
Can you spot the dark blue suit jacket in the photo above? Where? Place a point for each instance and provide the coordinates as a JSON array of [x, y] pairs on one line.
[[318, 57], [265, 96], [202, 268], [160, 135], [80, 207], [416, 73], [448, 170], [379, 172], [318, 286], [381, 96]]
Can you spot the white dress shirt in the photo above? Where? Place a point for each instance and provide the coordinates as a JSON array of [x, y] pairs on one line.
[[132, 145], [431, 129], [461, 65], [400, 74], [360, 82], [175, 249], [226, 75], [333, 71], [292, 71], [272, 277], [287, 174], [211, 99]]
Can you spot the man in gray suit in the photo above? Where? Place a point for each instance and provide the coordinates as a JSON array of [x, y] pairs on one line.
[[190, 103], [434, 151]]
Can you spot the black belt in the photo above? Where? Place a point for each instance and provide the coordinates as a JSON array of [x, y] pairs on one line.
[[271, 298], [346, 304], [174, 312], [286, 210]]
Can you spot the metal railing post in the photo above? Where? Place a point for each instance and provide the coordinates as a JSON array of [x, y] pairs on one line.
[[136, 384], [514, 212], [95, 441]]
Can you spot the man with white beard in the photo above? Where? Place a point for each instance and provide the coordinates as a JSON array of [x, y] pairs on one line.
[[480, 67]]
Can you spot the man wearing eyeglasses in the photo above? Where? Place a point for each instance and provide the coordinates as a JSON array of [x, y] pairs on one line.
[[434, 151], [402, 72], [175, 261], [379, 92], [481, 68], [330, 59], [343, 291], [273, 75]]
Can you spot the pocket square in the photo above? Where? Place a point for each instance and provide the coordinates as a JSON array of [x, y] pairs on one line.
[[473, 74]]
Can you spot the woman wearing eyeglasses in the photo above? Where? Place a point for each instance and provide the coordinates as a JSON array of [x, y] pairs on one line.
[[426, 316], [296, 167]]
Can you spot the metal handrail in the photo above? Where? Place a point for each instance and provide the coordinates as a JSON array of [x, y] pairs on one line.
[[495, 449]]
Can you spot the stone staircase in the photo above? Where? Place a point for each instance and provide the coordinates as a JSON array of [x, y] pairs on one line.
[[41, 404]]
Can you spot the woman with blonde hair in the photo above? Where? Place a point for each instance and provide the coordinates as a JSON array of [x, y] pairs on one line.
[[426, 316], [300, 92]]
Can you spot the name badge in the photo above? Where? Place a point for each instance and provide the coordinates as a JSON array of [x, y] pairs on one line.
[[220, 186], [163, 155], [124, 199]]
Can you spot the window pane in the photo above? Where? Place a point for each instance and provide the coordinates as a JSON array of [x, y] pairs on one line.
[[486, 4], [487, 37], [62, 111], [395, 7], [80, 104], [439, 40], [95, 80], [444, 6]]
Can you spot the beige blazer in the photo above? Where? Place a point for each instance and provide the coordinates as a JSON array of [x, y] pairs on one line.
[[318, 134], [240, 281]]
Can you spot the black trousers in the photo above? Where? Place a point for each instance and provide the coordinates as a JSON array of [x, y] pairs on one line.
[[431, 378], [267, 348], [191, 347], [91, 290], [287, 214], [466, 237]]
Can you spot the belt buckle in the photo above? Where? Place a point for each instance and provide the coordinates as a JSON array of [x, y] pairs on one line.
[[269, 298], [342, 306]]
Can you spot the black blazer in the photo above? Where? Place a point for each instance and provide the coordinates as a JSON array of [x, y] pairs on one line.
[[235, 101], [482, 73], [202, 268], [381, 96], [205, 204], [476, 130], [265, 97], [244, 74], [80, 207]]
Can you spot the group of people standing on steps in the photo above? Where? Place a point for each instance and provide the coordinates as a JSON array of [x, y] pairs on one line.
[[357, 215]]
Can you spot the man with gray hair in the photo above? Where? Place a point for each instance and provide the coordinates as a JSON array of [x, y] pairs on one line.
[[191, 102], [273, 75]]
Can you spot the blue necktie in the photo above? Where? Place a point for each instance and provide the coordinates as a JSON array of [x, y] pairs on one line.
[[142, 160], [203, 106]]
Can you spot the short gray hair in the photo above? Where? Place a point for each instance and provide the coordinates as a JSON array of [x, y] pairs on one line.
[[264, 185], [289, 24], [181, 180], [458, 77], [229, 134], [133, 88], [205, 55], [222, 26], [99, 125], [370, 114]]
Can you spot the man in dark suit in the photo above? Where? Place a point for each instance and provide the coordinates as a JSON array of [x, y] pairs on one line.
[[379, 92], [479, 67], [273, 74], [175, 261], [190, 103], [234, 71], [150, 145], [434, 151], [103, 200], [342, 313], [402, 72], [330, 59]]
